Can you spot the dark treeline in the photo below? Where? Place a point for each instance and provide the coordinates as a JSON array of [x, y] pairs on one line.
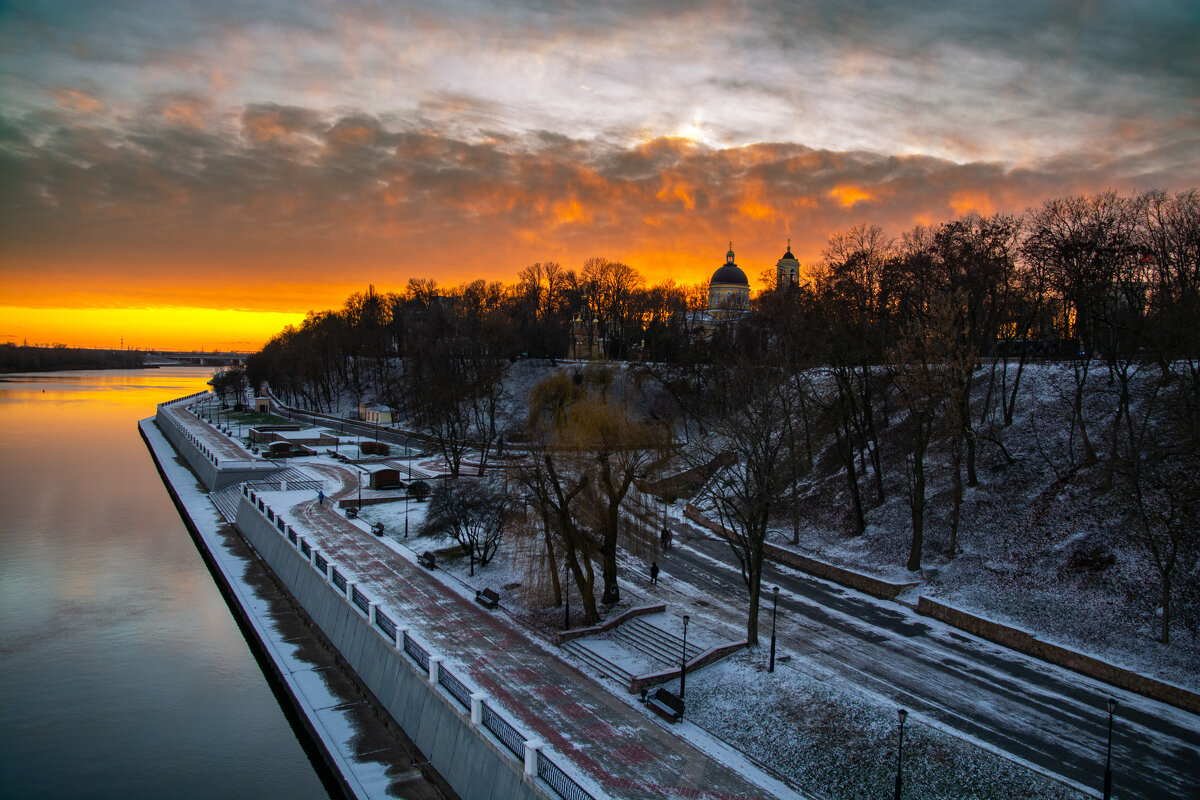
[[1096, 275], [360, 346], [890, 369], [21, 358]]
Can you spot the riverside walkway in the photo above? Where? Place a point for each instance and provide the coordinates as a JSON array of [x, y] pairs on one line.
[[612, 741], [223, 447], [615, 742]]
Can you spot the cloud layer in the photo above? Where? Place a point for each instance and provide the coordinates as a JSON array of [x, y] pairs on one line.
[[254, 155]]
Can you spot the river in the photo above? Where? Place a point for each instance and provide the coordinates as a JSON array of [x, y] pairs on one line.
[[122, 672]]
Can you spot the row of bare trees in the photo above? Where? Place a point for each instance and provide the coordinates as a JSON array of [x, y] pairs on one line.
[[903, 348], [895, 349]]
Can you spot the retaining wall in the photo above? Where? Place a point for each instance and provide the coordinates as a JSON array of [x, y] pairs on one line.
[[472, 762], [855, 580], [709, 656], [579, 633], [1026, 642], [208, 468]]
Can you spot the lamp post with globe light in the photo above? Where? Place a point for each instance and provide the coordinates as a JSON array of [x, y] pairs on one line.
[[683, 660], [774, 612], [903, 715], [1112, 706]]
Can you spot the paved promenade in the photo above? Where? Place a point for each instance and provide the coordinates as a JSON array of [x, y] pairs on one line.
[[610, 741], [619, 745], [226, 449]]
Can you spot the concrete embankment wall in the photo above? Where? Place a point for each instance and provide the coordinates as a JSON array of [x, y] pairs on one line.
[[205, 464], [470, 760], [329, 770], [1025, 642], [204, 467]]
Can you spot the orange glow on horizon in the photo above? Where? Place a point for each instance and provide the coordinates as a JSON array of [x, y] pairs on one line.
[[151, 328]]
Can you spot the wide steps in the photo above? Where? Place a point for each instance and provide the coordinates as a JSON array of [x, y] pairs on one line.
[[662, 646], [597, 662], [226, 501]]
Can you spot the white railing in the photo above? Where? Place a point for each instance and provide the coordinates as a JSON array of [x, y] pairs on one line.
[[386, 623]]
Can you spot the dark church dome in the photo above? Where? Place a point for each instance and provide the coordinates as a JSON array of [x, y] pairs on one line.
[[730, 272]]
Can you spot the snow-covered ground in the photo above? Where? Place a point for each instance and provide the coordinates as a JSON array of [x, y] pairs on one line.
[[1022, 536], [1025, 541]]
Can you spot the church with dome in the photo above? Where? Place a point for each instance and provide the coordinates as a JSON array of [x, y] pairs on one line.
[[729, 289]]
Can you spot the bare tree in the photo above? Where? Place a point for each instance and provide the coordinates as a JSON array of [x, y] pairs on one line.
[[922, 378], [474, 512], [745, 433]]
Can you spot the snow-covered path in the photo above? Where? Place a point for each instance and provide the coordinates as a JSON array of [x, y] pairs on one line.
[[611, 740], [1042, 715]]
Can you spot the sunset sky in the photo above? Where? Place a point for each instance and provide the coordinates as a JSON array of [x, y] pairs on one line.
[[200, 174]]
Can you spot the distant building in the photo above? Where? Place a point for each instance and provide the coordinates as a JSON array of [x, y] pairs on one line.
[[728, 289], [376, 413], [787, 269]]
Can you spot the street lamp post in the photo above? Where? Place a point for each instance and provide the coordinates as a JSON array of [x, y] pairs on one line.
[[566, 587], [1112, 706], [361, 476], [683, 660], [774, 612], [900, 752]]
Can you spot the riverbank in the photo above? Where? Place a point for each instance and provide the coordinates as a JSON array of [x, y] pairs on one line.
[[360, 754], [23, 358]]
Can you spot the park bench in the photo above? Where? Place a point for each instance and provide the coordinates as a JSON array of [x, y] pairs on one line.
[[666, 704], [487, 598], [351, 512], [427, 560], [377, 529]]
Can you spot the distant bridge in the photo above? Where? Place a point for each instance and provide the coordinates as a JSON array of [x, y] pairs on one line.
[[213, 358]]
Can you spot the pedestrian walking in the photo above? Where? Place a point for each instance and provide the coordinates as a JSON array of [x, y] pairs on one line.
[[320, 497], [654, 573], [666, 538]]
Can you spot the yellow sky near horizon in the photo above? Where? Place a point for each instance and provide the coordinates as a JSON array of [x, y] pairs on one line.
[[148, 328]]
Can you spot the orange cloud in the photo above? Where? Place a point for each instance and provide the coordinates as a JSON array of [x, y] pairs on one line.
[[212, 220], [850, 196], [677, 190], [570, 211], [965, 201], [188, 112], [77, 101]]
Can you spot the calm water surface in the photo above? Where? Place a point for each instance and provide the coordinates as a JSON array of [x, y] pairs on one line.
[[122, 673]]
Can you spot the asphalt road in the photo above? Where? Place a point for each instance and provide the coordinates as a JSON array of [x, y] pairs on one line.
[[1046, 716], [1035, 712]]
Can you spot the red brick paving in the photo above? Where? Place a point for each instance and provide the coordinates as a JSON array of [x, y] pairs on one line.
[[623, 748]]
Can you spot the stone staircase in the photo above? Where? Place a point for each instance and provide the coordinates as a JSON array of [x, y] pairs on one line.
[[636, 647], [598, 662], [662, 646], [226, 501]]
